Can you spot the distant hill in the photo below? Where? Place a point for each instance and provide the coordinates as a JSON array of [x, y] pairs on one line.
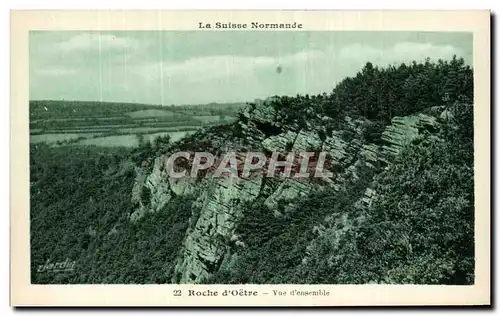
[[57, 109], [45, 109], [399, 208]]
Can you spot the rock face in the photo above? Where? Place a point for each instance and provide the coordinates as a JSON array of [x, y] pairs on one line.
[[219, 201], [288, 190], [160, 189], [404, 130], [280, 143]]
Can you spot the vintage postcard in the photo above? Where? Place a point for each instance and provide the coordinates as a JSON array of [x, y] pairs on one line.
[[250, 158]]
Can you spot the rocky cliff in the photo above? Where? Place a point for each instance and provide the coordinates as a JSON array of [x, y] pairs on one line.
[[217, 208]]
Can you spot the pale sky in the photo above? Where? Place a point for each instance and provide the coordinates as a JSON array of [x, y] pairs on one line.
[[194, 67]]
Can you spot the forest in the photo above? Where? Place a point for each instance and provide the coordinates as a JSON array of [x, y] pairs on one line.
[[420, 229]]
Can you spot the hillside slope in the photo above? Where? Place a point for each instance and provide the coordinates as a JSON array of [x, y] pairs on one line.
[[399, 208]]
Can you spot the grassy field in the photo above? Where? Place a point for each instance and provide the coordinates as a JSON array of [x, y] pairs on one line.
[[54, 138], [120, 124], [129, 140]]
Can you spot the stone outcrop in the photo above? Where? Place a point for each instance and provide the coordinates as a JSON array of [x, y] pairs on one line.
[[280, 143], [220, 209], [404, 130]]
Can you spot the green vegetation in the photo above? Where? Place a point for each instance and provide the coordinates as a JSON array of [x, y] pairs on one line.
[[52, 121], [379, 94], [275, 246], [420, 228], [48, 109], [417, 228], [80, 201]]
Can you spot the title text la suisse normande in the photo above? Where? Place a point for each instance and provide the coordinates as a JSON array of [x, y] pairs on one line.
[[252, 25]]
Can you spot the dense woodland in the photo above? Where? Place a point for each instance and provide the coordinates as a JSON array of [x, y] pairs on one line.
[[418, 230]]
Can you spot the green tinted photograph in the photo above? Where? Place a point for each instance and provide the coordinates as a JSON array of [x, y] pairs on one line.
[[251, 157]]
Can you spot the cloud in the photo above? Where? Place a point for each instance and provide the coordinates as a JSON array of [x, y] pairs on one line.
[[89, 54], [227, 67], [400, 52], [232, 77], [128, 68], [91, 41], [218, 67]]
